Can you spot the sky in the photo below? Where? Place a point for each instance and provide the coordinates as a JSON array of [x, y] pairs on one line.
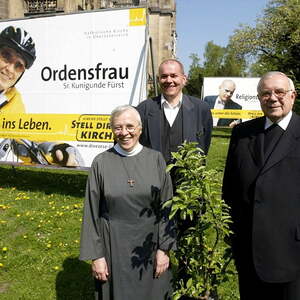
[[201, 21]]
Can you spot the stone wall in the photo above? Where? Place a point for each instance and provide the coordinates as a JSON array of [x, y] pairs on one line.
[[15, 9], [3, 9]]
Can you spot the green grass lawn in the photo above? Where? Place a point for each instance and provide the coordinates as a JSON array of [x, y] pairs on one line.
[[40, 219], [218, 149]]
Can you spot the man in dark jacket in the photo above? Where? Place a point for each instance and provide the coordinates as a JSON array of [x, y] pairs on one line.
[[261, 185], [169, 120], [173, 117]]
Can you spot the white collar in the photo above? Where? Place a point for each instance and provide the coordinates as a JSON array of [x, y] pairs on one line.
[[164, 101], [220, 101], [137, 149], [283, 123]]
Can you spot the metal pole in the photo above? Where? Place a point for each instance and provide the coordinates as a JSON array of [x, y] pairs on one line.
[[152, 64]]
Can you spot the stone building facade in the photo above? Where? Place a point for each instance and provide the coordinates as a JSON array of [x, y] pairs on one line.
[[162, 18]]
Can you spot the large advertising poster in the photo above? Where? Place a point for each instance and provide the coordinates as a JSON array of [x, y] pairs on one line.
[[231, 99], [86, 65]]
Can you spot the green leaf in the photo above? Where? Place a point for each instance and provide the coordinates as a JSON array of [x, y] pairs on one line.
[[189, 283]]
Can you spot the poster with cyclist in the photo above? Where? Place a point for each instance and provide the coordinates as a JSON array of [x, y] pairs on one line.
[[61, 76]]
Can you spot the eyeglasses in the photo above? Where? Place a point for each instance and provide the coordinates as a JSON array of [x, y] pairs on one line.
[[279, 93], [129, 129], [8, 56]]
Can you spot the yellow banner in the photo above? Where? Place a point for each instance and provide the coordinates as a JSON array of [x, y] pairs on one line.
[[137, 17], [236, 113], [56, 127]]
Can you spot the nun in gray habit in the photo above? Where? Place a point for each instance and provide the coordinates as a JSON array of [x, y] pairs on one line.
[[125, 231]]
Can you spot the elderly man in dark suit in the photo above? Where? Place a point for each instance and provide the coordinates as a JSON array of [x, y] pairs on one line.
[[224, 101], [262, 187], [172, 117]]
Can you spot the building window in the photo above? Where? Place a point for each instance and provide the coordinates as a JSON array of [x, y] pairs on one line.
[[125, 3], [40, 6]]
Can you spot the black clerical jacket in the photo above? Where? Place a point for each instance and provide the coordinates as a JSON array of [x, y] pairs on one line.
[[264, 195]]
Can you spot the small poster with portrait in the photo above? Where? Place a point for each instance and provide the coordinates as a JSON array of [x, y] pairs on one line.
[[231, 99]]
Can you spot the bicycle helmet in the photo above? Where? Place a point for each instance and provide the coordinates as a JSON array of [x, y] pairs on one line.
[[19, 40]]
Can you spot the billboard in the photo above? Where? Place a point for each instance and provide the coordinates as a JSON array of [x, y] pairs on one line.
[[232, 99], [86, 65]]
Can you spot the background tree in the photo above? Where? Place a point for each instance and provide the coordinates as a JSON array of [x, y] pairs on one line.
[[222, 62], [214, 56], [218, 62], [195, 77], [274, 43], [233, 64]]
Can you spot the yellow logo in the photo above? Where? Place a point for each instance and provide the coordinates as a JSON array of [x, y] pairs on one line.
[[137, 16]]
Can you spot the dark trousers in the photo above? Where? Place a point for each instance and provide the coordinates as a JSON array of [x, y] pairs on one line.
[[253, 288]]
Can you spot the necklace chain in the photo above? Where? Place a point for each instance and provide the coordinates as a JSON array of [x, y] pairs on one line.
[[130, 180]]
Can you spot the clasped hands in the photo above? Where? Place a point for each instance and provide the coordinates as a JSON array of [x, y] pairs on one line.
[[100, 269]]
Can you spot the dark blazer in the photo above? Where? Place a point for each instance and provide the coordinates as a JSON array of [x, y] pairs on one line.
[[264, 196], [197, 122], [230, 104]]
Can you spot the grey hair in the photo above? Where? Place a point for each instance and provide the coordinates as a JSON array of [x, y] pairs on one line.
[[271, 74], [228, 81], [122, 108], [292, 86]]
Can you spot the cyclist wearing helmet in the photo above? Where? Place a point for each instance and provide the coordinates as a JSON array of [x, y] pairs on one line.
[[17, 53]]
